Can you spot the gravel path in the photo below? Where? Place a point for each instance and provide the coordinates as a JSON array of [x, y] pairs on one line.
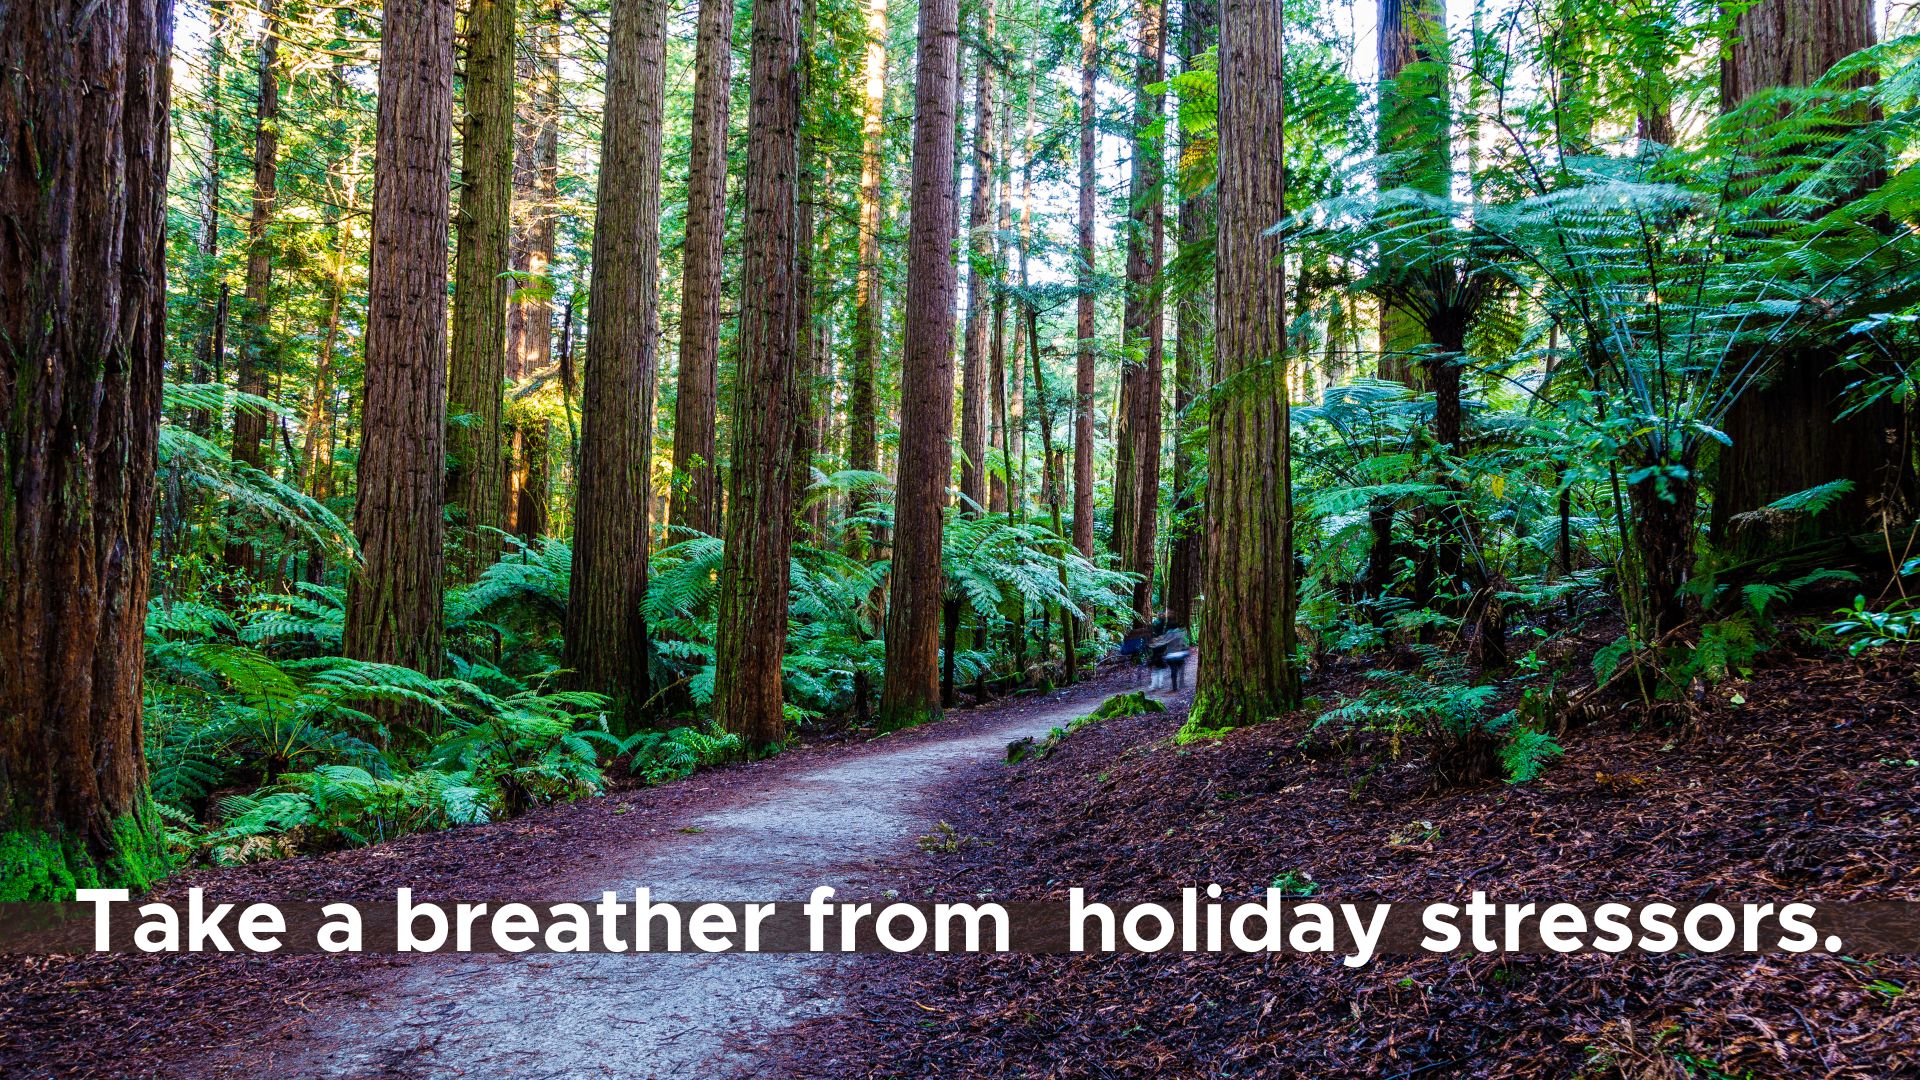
[[682, 1015]]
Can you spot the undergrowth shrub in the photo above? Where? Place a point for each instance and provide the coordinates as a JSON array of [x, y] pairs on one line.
[[1465, 744]]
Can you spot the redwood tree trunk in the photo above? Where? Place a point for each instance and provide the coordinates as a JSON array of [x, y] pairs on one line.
[[1193, 314], [250, 444], [476, 477], [912, 691], [394, 595], [1016, 434], [1083, 357], [1247, 671], [82, 305], [250, 425], [695, 503], [1786, 432], [1136, 482], [536, 169], [1001, 471], [973, 367], [205, 363], [862, 402], [606, 633], [808, 355], [748, 694]]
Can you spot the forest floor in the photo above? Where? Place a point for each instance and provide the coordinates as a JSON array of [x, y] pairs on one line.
[[840, 812], [1798, 783]]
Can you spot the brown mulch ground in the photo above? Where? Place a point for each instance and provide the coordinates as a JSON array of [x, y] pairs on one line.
[[121, 1015], [1804, 792]]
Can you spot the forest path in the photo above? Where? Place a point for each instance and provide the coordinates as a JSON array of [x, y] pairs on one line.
[[688, 1014]]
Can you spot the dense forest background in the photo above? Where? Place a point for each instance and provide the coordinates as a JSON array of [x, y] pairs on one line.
[[415, 415]]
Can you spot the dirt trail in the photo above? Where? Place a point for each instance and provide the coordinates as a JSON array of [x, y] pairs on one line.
[[679, 1015]]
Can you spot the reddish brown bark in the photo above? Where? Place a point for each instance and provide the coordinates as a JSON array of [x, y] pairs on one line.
[[1083, 365], [1787, 433], [973, 364], [606, 632], [536, 166], [316, 451], [250, 425], [82, 305], [1247, 633], [1193, 314], [529, 346], [1136, 482], [394, 595], [912, 691], [206, 363], [1017, 406], [1001, 471], [748, 696], [695, 503], [808, 355], [862, 403], [476, 477]]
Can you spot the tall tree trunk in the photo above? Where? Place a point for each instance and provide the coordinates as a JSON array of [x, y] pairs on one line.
[[807, 380], [394, 595], [862, 402], [1193, 313], [1083, 365], [748, 696], [696, 500], [912, 690], [250, 444], [1052, 482], [1000, 471], [315, 454], [82, 306], [606, 632], [250, 425], [476, 478], [1786, 431], [1017, 407], [316, 457], [1414, 115], [973, 366], [200, 421], [1247, 671], [1136, 482], [536, 170]]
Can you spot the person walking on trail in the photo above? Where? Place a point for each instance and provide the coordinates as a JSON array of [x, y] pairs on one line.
[[1168, 652]]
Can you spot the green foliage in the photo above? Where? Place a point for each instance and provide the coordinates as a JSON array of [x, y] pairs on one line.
[[1895, 626], [657, 757], [335, 805], [1131, 703], [1464, 743]]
